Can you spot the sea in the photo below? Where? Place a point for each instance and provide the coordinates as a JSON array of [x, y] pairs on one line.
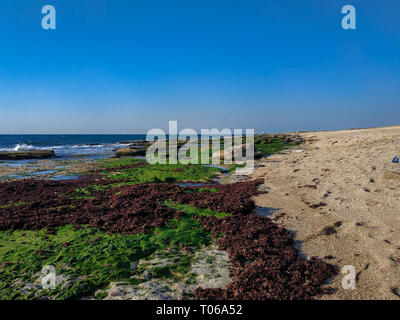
[[69, 145]]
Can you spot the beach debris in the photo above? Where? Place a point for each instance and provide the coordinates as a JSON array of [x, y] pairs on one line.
[[395, 291], [395, 159], [316, 205]]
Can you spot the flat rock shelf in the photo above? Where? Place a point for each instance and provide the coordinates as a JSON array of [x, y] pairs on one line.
[[21, 155]]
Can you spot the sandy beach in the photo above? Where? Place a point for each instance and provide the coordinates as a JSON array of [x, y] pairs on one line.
[[339, 193]]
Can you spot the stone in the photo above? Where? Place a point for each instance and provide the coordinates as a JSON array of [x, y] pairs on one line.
[[21, 155], [130, 152]]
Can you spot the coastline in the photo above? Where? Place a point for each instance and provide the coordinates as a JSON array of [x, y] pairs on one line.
[[189, 235], [321, 191]]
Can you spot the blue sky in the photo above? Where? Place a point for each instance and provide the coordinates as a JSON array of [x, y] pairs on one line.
[[126, 66]]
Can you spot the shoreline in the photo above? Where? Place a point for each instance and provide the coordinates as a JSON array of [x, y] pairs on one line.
[[336, 194], [340, 196], [126, 199]]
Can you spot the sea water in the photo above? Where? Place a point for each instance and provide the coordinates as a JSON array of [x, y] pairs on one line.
[[69, 145]]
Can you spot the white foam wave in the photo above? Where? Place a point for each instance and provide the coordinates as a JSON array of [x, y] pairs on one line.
[[23, 147], [67, 150]]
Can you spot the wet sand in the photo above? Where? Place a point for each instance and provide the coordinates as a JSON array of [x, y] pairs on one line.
[[340, 193]]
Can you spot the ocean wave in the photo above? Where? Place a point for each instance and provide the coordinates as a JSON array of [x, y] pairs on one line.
[[28, 147], [23, 147], [66, 150]]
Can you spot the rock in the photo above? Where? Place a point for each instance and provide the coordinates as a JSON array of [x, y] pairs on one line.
[[235, 152], [21, 155], [210, 268], [147, 275], [125, 152], [134, 265], [258, 154]]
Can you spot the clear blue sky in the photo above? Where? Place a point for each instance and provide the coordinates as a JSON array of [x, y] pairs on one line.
[[125, 66]]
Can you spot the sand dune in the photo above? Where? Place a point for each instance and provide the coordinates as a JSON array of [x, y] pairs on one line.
[[340, 194]]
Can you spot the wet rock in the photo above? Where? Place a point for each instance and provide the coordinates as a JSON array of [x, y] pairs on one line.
[[258, 155], [130, 152], [210, 268], [22, 155]]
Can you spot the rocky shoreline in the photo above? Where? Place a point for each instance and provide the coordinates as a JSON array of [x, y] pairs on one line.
[[168, 225]]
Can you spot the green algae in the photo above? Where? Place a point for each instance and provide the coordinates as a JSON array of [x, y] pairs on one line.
[[194, 211], [272, 145], [90, 259]]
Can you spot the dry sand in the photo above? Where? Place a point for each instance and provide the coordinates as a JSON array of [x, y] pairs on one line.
[[350, 171]]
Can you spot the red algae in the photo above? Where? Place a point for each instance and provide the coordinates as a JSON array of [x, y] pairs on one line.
[[265, 263], [127, 209]]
